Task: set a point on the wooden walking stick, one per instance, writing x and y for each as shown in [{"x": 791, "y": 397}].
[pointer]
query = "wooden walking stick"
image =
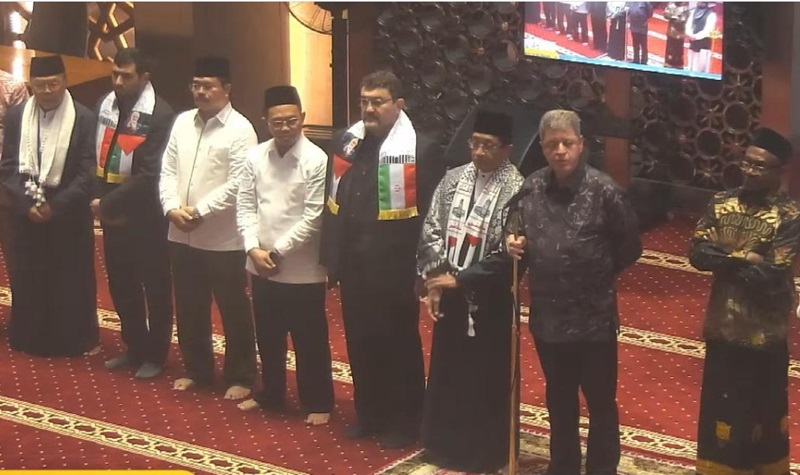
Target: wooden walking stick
[{"x": 514, "y": 354}]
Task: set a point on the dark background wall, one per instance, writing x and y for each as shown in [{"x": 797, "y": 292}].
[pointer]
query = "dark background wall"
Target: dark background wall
[{"x": 681, "y": 131}]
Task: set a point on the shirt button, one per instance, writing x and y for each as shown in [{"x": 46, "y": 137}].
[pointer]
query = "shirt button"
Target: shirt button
[{"x": 358, "y": 193}]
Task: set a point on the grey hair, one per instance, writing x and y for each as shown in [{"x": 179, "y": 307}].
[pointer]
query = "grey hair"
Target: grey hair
[{"x": 560, "y": 119}]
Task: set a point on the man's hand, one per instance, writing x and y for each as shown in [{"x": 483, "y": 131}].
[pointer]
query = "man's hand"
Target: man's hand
[
  {"x": 46, "y": 212},
  {"x": 441, "y": 281},
  {"x": 262, "y": 260},
  {"x": 432, "y": 303},
  {"x": 35, "y": 215},
  {"x": 182, "y": 220},
  {"x": 754, "y": 257},
  {"x": 516, "y": 246},
  {"x": 95, "y": 206}
]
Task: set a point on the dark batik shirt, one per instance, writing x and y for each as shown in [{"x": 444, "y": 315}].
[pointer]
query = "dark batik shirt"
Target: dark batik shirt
[
  {"x": 580, "y": 237},
  {"x": 749, "y": 303}
]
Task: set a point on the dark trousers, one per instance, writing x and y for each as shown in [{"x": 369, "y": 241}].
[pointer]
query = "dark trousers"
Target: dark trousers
[
  {"x": 639, "y": 47},
  {"x": 198, "y": 275},
  {"x": 579, "y": 21},
  {"x": 599, "y": 31},
  {"x": 137, "y": 263},
  {"x": 744, "y": 403},
  {"x": 299, "y": 310},
  {"x": 563, "y": 17},
  {"x": 590, "y": 367},
  {"x": 549, "y": 9},
  {"x": 386, "y": 358}
]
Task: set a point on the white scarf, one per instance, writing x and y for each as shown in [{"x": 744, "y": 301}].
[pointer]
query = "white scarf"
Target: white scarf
[
  {"x": 397, "y": 188},
  {"x": 470, "y": 228},
  {"x": 54, "y": 154},
  {"x": 133, "y": 131}
]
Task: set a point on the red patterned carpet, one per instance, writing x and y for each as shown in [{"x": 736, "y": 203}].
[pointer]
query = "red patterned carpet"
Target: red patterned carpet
[{"x": 72, "y": 413}]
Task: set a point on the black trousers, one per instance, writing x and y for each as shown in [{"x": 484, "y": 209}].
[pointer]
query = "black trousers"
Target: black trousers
[
  {"x": 198, "y": 276},
  {"x": 592, "y": 368},
  {"x": 599, "y": 31},
  {"x": 297, "y": 310},
  {"x": 563, "y": 17},
  {"x": 639, "y": 47},
  {"x": 579, "y": 21},
  {"x": 743, "y": 425},
  {"x": 549, "y": 9},
  {"x": 386, "y": 358},
  {"x": 137, "y": 263}
]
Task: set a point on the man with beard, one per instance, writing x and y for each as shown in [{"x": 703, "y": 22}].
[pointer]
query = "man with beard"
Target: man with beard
[
  {"x": 47, "y": 167},
  {"x": 381, "y": 177},
  {"x": 748, "y": 238},
  {"x": 132, "y": 128},
  {"x": 467, "y": 274}
]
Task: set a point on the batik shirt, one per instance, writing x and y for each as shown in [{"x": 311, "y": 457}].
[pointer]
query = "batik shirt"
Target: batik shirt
[{"x": 749, "y": 303}]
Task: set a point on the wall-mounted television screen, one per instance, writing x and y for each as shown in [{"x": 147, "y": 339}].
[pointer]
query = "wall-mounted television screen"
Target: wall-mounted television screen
[{"x": 683, "y": 38}]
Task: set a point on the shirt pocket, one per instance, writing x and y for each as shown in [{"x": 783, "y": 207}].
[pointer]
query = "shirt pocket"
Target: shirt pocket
[{"x": 218, "y": 156}]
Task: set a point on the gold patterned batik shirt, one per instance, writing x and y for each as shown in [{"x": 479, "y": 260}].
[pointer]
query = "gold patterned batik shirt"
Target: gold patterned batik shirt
[{"x": 749, "y": 303}]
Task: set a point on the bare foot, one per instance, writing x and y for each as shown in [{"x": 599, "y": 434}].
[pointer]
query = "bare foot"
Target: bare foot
[
  {"x": 318, "y": 418},
  {"x": 248, "y": 405},
  {"x": 93, "y": 351},
  {"x": 237, "y": 392},
  {"x": 183, "y": 384}
]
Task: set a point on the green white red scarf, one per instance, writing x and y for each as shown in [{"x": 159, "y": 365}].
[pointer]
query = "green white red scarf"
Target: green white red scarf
[
  {"x": 397, "y": 169},
  {"x": 119, "y": 158}
]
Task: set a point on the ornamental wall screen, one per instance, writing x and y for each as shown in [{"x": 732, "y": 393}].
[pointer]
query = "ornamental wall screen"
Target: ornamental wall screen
[{"x": 451, "y": 56}]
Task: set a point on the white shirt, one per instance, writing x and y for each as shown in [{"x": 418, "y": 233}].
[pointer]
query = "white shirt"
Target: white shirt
[
  {"x": 280, "y": 207},
  {"x": 201, "y": 167}
]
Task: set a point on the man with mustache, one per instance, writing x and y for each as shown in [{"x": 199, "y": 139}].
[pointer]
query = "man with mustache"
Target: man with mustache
[
  {"x": 200, "y": 175},
  {"x": 748, "y": 238},
  {"x": 381, "y": 177}
]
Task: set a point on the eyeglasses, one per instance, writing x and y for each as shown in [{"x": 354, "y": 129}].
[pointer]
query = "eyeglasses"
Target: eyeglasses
[
  {"x": 45, "y": 86},
  {"x": 552, "y": 145},
  {"x": 280, "y": 123},
  {"x": 375, "y": 102},
  {"x": 202, "y": 87},
  {"x": 758, "y": 167},
  {"x": 487, "y": 146}
]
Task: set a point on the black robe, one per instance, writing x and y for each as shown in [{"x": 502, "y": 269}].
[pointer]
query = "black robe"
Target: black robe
[
  {"x": 466, "y": 415},
  {"x": 54, "y": 310}
]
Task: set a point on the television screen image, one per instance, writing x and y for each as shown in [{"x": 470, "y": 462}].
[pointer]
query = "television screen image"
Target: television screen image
[{"x": 682, "y": 38}]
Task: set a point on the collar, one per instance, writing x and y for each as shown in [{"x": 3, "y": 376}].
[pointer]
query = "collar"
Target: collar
[
  {"x": 222, "y": 116},
  {"x": 572, "y": 183},
  {"x": 294, "y": 152}
]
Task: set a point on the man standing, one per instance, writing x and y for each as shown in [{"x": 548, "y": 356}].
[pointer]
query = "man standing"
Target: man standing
[
  {"x": 200, "y": 175},
  {"x": 381, "y": 177},
  {"x": 48, "y": 159},
  {"x": 748, "y": 238},
  {"x": 279, "y": 211},
  {"x": 467, "y": 273},
  {"x": 578, "y": 233},
  {"x": 12, "y": 92},
  {"x": 132, "y": 127}
]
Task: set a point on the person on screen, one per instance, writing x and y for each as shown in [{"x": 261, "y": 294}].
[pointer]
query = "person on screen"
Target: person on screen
[
  {"x": 580, "y": 25},
  {"x": 639, "y": 13},
  {"x": 562, "y": 18},
  {"x": 702, "y": 21},
  {"x": 597, "y": 13},
  {"x": 549, "y": 9},
  {"x": 677, "y": 13},
  {"x": 467, "y": 273},
  {"x": 574, "y": 253},
  {"x": 617, "y": 30},
  {"x": 748, "y": 238}
]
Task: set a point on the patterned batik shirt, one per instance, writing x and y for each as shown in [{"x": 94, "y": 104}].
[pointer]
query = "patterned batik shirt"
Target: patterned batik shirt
[
  {"x": 749, "y": 303},
  {"x": 12, "y": 92}
]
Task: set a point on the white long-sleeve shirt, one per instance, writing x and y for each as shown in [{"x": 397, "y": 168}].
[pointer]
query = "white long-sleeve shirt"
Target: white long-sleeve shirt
[
  {"x": 201, "y": 167},
  {"x": 280, "y": 206}
]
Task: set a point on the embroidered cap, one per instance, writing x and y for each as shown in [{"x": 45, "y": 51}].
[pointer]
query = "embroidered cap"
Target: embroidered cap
[{"x": 44, "y": 66}]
